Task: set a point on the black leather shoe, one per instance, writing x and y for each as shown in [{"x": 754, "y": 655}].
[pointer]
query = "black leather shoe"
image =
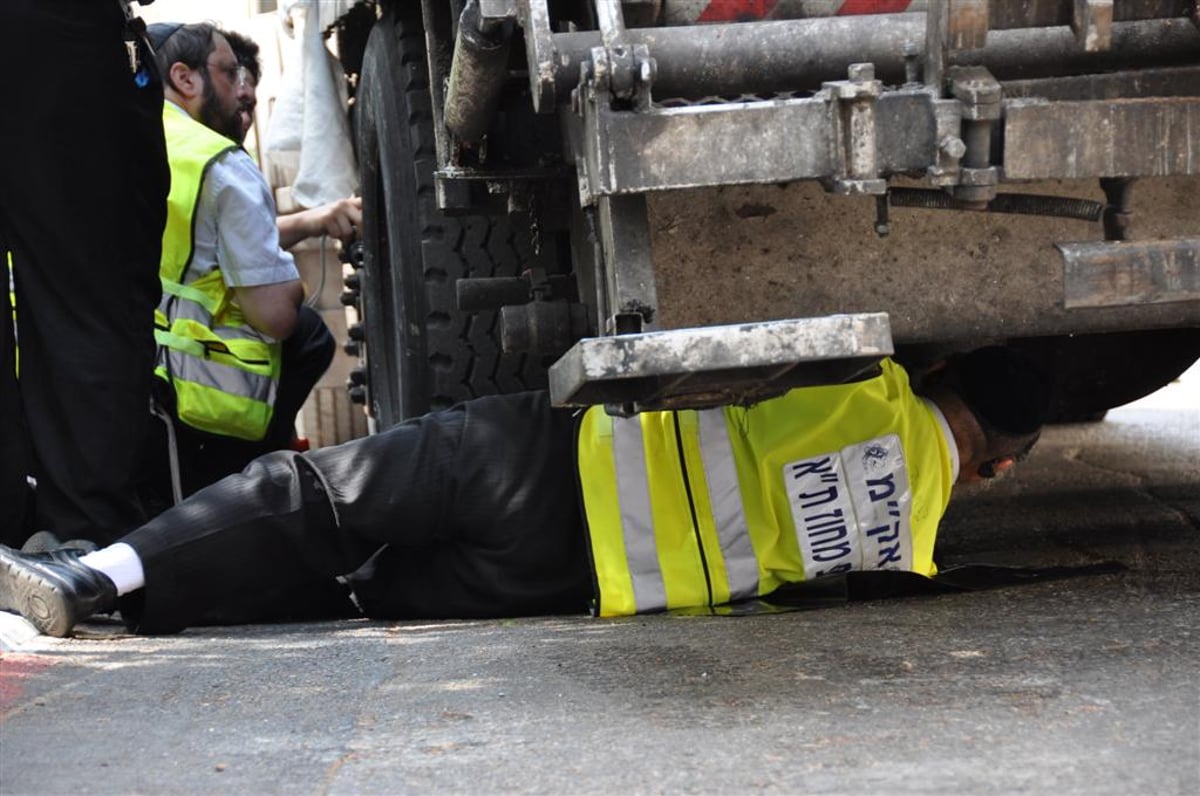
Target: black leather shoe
[
  {"x": 45, "y": 541},
  {"x": 53, "y": 590}
]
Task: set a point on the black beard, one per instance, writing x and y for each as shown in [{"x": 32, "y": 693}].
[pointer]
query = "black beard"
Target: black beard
[{"x": 210, "y": 115}]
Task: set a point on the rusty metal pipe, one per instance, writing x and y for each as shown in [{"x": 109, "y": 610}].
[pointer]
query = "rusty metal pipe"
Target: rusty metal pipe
[
  {"x": 477, "y": 75},
  {"x": 1001, "y": 13},
  {"x": 768, "y": 57}
]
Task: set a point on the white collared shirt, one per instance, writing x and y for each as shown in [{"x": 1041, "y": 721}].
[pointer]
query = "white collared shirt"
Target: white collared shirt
[
  {"x": 951, "y": 443},
  {"x": 235, "y": 226}
]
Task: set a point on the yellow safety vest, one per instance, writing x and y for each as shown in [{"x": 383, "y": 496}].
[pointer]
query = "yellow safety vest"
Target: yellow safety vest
[
  {"x": 700, "y": 508},
  {"x": 224, "y": 372}
]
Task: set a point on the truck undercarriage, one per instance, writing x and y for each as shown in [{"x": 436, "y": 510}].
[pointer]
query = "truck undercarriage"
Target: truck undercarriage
[{"x": 662, "y": 204}]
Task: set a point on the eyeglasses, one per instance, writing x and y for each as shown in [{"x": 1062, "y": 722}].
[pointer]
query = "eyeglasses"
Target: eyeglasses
[{"x": 231, "y": 71}]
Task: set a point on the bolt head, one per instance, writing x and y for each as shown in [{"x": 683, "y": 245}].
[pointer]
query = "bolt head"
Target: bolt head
[
  {"x": 953, "y": 147},
  {"x": 862, "y": 72},
  {"x": 646, "y": 71}
]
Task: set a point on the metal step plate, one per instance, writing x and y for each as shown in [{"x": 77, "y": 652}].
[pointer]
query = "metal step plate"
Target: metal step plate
[
  {"x": 1117, "y": 274},
  {"x": 717, "y": 365}
]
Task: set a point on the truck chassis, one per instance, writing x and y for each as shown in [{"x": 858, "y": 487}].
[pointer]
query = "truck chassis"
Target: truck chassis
[{"x": 648, "y": 216}]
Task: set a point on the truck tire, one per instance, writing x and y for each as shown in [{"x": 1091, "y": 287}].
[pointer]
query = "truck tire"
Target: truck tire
[{"x": 421, "y": 352}]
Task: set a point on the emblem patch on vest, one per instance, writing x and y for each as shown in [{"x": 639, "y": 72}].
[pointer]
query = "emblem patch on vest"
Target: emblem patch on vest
[{"x": 852, "y": 508}]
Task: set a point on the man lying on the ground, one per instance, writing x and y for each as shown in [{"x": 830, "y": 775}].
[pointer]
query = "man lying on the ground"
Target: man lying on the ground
[{"x": 505, "y": 506}]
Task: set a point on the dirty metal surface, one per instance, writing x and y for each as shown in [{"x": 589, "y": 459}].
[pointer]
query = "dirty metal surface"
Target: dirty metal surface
[
  {"x": 757, "y": 141},
  {"x": 732, "y": 59},
  {"x": 1183, "y": 81},
  {"x": 1155, "y": 137},
  {"x": 718, "y": 364},
  {"x": 731, "y": 255},
  {"x": 775, "y": 141},
  {"x": 1111, "y": 274},
  {"x": 997, "y": 14}
]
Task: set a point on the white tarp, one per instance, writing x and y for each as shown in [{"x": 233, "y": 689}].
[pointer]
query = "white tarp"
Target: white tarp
[{"x": 308, "y": 125}]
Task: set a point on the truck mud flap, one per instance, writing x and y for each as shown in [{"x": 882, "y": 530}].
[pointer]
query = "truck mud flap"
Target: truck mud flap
[{"x": 715, "y": 365}]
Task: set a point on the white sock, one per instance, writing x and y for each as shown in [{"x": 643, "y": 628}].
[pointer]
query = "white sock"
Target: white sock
[{"x": 120, "y": 563}]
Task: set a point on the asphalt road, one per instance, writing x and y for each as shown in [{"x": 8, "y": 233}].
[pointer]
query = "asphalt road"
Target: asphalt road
[{"x": 1086, "y": 685}]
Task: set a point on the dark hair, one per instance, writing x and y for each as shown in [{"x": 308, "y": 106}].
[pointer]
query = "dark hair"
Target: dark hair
[
  {"x": 1003, "y": 388},
  {"x": 187, "y": 44},
  {"x": 245, "y": 49}
]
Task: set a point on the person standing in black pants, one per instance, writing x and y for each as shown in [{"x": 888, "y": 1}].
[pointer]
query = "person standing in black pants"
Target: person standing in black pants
[{"x": 83, "y": 187}]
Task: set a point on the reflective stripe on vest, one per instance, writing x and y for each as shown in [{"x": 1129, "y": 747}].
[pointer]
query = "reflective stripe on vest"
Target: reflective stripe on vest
[
  {"x": 637, "y": 520},
  {"x": 732, "y": 568},
  {"x": 720, "y": 471},
  {"x": 697, "y": 508},
  {"x": 225, "y": 373}
]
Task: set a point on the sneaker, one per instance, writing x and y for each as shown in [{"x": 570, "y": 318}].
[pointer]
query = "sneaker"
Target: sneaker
[{"x": 53, "y": 590}]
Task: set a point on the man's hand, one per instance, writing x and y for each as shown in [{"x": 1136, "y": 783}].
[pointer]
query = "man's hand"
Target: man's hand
[{"x": 338, "y": 219}]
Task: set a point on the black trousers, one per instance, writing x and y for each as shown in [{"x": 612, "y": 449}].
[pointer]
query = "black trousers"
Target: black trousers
[
  {"x": 468, "y": 512},
  {"x": 207, "y": 458},
  {"x": 83, "y": 186}
]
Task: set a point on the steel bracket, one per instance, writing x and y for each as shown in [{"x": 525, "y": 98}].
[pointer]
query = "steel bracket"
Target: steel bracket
[
  {"x": 980, "y": 95},
  {"x": 718, "y": 365},
  {"x": 1122, "y": 273},
  {"x": 852, "y": 124}
]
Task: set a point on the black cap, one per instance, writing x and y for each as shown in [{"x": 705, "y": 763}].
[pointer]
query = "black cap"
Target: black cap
[
  {"x": 159, "y": 32},
  {"x": 1005, "y": 388}
]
